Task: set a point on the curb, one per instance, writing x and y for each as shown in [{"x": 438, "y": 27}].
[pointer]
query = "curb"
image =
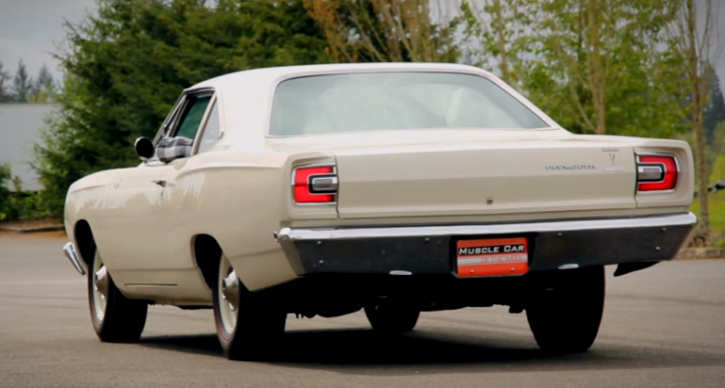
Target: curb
[
  {"x": 32, "y": 230},
  {"x": 701, "y": 254}
]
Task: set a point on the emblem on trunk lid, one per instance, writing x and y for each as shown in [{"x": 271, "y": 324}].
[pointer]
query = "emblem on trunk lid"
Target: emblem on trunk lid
[{"x": 613, "y": 167}]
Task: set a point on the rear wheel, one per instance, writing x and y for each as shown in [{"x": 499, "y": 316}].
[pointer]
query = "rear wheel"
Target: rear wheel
[
  {"x": 390, "y": 317},
  {"x": 565, "y": 310},
  {"x": 115, "y": 318},
  {"x": 249, "y": 325}
]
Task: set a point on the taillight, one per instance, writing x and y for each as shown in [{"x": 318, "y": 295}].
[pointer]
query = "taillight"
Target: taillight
[
  {"x": 656, "y": 173},
  {"x": 315, "y": 184}
]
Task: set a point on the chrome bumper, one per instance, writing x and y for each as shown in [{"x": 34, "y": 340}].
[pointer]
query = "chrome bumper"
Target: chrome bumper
[
  {"x": 429, "y": 249},
  {"x": 70, "y": 252}
]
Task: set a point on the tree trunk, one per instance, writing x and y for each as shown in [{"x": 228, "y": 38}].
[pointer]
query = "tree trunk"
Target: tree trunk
[
  {"x": 596, "y": 80},
  {"x": 702, "y": 173},
  {"x": 698, "y": 106},
  {"x": 501, "y": 40}
]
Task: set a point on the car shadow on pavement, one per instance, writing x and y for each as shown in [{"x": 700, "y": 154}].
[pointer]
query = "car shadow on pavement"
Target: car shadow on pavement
[
  {"x": 362, "y": 351},
  {"x": 196, "y": 344}
]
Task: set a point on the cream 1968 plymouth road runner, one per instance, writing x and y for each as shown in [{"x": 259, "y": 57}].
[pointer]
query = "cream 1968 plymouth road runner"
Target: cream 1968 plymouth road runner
[{"x": 392, "y": 188}]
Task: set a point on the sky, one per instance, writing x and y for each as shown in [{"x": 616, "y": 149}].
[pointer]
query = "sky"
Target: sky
[{"x": 31, "y": 29}]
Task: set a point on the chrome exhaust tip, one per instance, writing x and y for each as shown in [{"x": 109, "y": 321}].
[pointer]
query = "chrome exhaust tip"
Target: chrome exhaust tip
[{"x": 70, "y": 252}]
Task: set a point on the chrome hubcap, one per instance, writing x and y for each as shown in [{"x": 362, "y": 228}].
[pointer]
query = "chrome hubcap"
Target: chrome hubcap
[
  {"x": 100, "y": 287},
  {"x": 230, "y": 290},
  {"x": 229, "y": 295},
  {"x": 102, "y": 282}
]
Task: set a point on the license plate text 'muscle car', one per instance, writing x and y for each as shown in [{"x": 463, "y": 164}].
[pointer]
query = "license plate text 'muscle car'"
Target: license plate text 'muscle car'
[{"x": 492, "y": 257}]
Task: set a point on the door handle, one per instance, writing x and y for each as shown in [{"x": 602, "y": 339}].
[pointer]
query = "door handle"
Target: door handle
[{"x": 160, "y": 183}]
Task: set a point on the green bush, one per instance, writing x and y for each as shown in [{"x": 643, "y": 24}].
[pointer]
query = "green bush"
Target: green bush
[
  {"x": 716, "y": 202},
  {"x": 718, "y": 169},
  {"x": 19, "y": 205},
  {"x": 25, "y": 206},
  {"x": 4, "y": 192}
]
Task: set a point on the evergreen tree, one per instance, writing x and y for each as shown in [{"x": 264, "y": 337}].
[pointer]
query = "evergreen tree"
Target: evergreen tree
[
  {"x": 4, "y": 78},
  {"x": 22, "y": 83},
  {"x": 43, "y": 86},
  {"x": 126, "y": 66}
]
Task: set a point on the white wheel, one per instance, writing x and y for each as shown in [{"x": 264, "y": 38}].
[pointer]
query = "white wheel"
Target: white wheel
[
  {"x": 115, "y": 318},
  {"x": 99, "y": 294},
  {"x": 228, "y": 289}
]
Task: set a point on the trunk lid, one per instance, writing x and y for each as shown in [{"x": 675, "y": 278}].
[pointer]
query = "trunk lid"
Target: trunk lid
[{"x": 437, "y": 173}]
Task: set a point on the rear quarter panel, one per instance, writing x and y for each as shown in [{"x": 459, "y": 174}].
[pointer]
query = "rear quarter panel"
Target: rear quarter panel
[
  {"x": 681, "y": 198},
  {"x": 241, "y": 199}
]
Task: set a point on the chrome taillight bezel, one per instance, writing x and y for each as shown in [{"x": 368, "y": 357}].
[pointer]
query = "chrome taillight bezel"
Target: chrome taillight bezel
[
  {"x": 328, "y": 181},
  {"x": 663, "y": 175}
]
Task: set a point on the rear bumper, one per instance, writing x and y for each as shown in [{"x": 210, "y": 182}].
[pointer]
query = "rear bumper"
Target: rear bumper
[{"x": 429, "y": 250}]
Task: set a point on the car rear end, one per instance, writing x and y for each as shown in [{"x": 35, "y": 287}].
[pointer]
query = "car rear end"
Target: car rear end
[
  {"x": 491, "y": 208},
  {"x": 466, "y": 196},
  {"x": 533, "y": 235}
]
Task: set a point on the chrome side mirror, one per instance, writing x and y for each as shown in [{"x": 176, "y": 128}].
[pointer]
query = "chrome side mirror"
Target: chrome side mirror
[{"x": 144, "y": 148}]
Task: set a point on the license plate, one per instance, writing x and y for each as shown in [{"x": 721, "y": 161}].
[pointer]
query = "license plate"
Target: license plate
[{"x": 492, "y": 257}]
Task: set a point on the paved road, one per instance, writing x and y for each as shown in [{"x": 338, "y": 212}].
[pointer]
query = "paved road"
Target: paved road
[{"x": 663, "y": 327}]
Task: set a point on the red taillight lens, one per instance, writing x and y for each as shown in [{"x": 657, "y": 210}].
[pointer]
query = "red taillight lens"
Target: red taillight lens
[
  {"x": 656, "y": 173},
  {"x": 317, "y": 184}
]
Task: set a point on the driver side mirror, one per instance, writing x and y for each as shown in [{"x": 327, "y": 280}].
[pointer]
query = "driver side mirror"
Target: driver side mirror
[{"x": 144, "y": 148}]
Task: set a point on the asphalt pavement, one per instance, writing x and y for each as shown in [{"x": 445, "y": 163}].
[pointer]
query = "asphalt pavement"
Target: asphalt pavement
[{"x": 662, "y": 327}]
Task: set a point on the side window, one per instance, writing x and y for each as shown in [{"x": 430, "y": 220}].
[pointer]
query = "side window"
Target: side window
[
  {"x": 210, "y": 133},
  {"x": 169, "y": 120},
  {"x": 178, "y": 141},
  {"x": 191, "y": 119}
]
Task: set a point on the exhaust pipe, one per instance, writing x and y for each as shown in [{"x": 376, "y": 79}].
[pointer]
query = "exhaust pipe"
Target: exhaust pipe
[{"x": 70, "y": 252}]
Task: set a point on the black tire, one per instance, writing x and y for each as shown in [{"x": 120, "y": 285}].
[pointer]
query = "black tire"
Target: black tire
[
  {"x": 260, "y": 324},
  {"x": 565, "y": 311},
  {"x": 123, "y": 319},
  {"x": 391, "y": 318}
]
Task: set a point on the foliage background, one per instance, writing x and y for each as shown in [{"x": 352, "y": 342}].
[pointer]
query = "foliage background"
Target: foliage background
[
  {"x": 595, "y": 66},
  {"x": 126, "y": 66}
]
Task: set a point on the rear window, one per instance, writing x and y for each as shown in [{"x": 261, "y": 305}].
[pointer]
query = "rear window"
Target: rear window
[{"x": 396, "y": 100}]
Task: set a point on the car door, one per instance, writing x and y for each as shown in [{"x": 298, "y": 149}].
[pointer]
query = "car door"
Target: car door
[
  {"x": 143, "y": 219},
  {"x": 188, "y": 181},
  {"x": 129, "y": 208}
]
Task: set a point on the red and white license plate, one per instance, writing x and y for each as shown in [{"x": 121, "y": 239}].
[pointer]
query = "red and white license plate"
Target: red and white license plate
[{"x": 492, "y": 257}]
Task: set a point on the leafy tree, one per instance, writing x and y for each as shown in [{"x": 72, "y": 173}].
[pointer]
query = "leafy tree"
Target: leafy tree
[
  {"x": 127, "y": 65},
  {"x": 22, "y": 83},
  {"x": 387, "y": 30},
  {"x": 594, "y": 65},
  {"x": 499, "y": 32},
  {"x": 694, "y": 49}
]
